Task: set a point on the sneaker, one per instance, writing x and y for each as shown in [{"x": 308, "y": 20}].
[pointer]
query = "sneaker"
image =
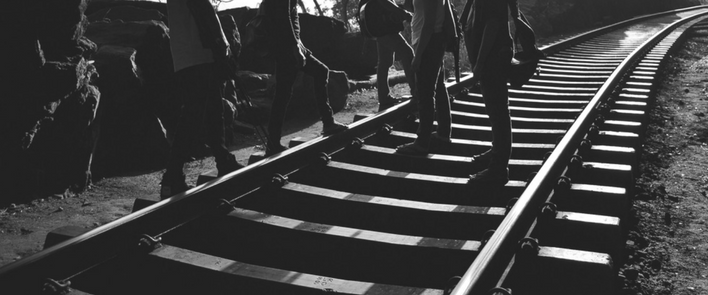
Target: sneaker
[
  {"x": 491, "y": 176},
  {"x": 412, "y": 149},
  {"x": 439, "y": 143},
  {"x": 332, "y": 128},
  {"x": 436, "y": 137},
  {"x": 169, "y": 190},
  {"x": 273, "y": 149},
  {"x": 482, "y": 159},
  {"x": 229, "y": 166}
]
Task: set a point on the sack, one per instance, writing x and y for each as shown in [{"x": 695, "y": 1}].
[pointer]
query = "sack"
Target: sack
[
  {"x": 375, "y": 21},
  {"x": 523, "y": 67},
  {"x": 261, "y": 39}
]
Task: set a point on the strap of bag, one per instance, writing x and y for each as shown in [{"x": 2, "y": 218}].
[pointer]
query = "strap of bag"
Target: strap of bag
[{"x": 465, "y": 14}]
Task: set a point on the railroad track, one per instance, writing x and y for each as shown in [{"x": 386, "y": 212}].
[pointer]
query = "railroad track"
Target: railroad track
[{"x": 346, "y": 214}]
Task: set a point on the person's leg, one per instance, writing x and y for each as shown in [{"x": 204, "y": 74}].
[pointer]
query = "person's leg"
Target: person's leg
[
  {"x": 442, "y": 107},
  {"x": 213, "y": 121},
  {"x": 404, "y": 54},
  {"x": 186, "y": 130},
  {"x": 320, "y": 75},
  {"x": 496, "y": 100},
  {"x": 384, "y": 63},
  {"x": 285, "y": 73},
  {"x": 426, "y": 79}
]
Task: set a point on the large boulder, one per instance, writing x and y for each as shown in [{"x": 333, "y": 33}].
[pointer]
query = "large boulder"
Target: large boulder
[
  {"x": 48, "y": 98},
  {"x": 127, "y": 13}
]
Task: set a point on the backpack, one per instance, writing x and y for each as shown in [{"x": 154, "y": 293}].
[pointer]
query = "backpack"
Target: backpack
[
  {"x": 375, "y": 21},
  {"x": 523, "y": 68},
  {"x": 524, "y": 65}
]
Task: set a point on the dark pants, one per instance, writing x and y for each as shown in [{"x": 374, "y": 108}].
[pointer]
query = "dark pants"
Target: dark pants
[
  {"x": 386, "y": 46},
  {"x": 431, "y": 92},
  {"x": 201, "y": 119},
  {"x": 495, "y": 92},
  {"x": 285, "y": 74}
]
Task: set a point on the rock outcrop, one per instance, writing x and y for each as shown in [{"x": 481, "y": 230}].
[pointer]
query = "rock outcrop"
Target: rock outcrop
[{"x": 48, "y": 98}]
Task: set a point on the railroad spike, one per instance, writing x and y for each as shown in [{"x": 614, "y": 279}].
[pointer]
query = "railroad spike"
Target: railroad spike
[
  {"x": 451, "y": 284},
  {"x": 279, "y": 180},
  {"x": 54, "y": 287},
  {"x": 148, "y": 243},
  {"x": 324, "y": 158},
  {"x": 357, "y": 143},
  {"x": 485, "y": 238},
  {"x": 500, "y": 291},
  {"x": 386, "y": 129}
]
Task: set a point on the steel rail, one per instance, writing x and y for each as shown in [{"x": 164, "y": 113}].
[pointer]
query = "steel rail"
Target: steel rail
[
  {"x": 125, "y": 234},
  {"x": 484, "y": 273}
]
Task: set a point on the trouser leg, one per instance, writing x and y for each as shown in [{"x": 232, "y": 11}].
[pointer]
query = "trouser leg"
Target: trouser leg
[
  {"x": 285, "y": 73},
  {"x": 320, "y": 75},
  {"x": 384, "y": 63},
  {"x": 442, "y": 106},
  {"x": 496, "y": 100},
  {"x": 426, "y": 81}
]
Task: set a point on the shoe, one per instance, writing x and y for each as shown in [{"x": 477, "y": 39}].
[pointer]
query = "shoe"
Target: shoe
[
  {"x": 439, "y": 143},
  {"x": 273, "y": 149},
  {"x": 435, "y": 136},
  {"x": 482, "y": 159},
  {"x": 491, "y": 176},
  {"x": 332, "y": 128},
  {"x": 411, "y": 149},
  {"x": 229, "y": 166},
  {"x": 169, "y": 190}
]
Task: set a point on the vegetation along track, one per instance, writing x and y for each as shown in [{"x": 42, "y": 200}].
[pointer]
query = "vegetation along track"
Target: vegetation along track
[{"x": 346, "y": 214}]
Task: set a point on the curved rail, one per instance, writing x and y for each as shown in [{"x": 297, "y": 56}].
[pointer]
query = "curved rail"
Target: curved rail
[
  {"x": 118, "y": 243},
  {"x": 477, "y": 279}
]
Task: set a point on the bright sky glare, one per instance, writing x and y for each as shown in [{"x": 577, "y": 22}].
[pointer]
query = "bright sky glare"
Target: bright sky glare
[{"x": 226, "y": 4}]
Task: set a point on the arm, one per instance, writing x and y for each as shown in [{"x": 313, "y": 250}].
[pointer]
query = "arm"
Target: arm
[{"x": 430, "y": 10}]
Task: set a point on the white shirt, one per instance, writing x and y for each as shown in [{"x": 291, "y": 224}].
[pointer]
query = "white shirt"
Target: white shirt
[
  {"x": 419, "y": 19},
  {"x": 185, "y": 42}
]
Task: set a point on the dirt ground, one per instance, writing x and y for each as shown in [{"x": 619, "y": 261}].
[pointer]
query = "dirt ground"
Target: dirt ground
[{"x": 667, "y": 246}]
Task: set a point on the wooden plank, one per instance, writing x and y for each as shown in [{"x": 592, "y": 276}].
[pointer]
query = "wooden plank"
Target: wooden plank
[
  {"x": 562, "y": 271},
  {"x": 353, "y": 233},
  {"x": 447, "y": 164},
  {"x": 406, "y": 185},
  {"x": 183, "y": 270}
]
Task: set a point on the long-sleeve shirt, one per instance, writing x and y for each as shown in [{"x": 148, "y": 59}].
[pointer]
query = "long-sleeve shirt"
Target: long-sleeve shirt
[{"x": 286, "y": 23}]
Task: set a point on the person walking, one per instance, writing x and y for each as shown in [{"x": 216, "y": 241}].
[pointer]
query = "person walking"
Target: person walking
[
  {"x": 201, "y": 59},
  {"x": 291, "y": 56}
]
